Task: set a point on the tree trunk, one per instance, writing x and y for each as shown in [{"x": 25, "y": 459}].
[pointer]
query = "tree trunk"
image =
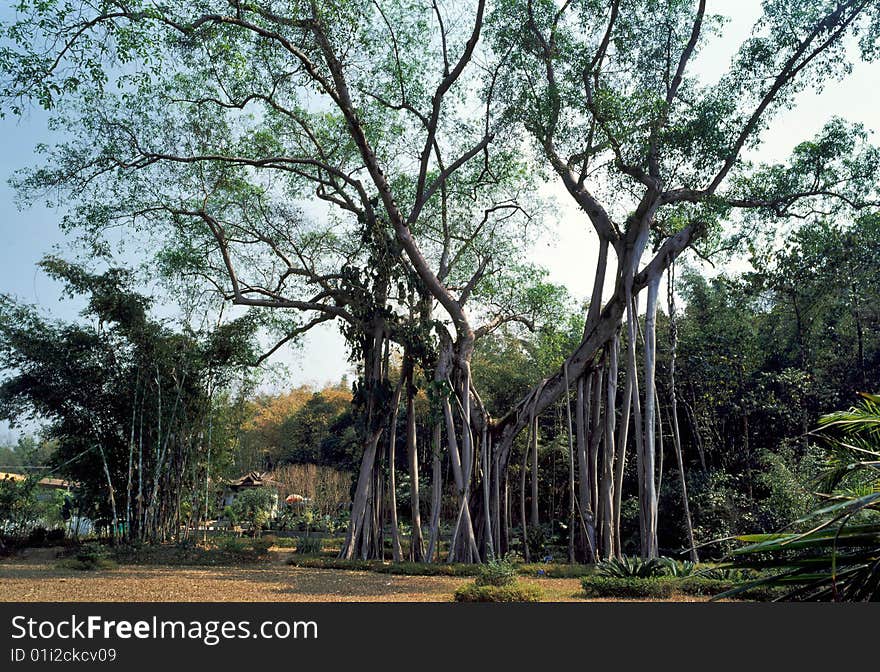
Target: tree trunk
[
  {"x": 583, "y": 405},
  {"x": 417, "y": 549},
  {"x": 608, "y": 486},
  {"x": 436, "y": 495},
  {"x": 396, "y": 552},
  {"x": 534, "y": 450},
  {"x": 673, "y": 403},
  {"x": 649, "y": 543}
]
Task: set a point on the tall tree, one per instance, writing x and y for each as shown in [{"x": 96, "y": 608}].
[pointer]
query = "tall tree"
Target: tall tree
[{"x": 653, "y": 155}]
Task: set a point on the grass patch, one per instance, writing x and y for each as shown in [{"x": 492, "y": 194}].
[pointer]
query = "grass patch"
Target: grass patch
[{"x": 512, "y": 592}]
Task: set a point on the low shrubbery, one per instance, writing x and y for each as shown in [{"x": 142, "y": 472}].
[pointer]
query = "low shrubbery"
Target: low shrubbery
[
  {"x": 220, "y": 551},
  {"x": 496, "y": 573},
  {"x": 627, "y": 587},
  {"x": 496, "y": 582},
  {"x": 513, "y": 592},
  {"x": 88, "y": 557},
  {"x": 307, "y": 544},
  {"x": 666, "y": 587},
  {"x": 629, "y": 567}
]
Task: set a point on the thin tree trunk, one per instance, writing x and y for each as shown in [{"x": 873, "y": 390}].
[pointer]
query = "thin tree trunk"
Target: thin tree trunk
[
  {"x": 632, "y": 372},
  {"x": 128, "y": 484},
  {"x": 595, "y": 435},
  {"x": 673, "y": 403},
  {"x": 534, "y": 509},
  {"x": 111, "y": 491},
  {"x": 608, "y": 487},
  {"x": 620, "y": 465},
  {"x": 461, "y": 488},
  {"x": 586, "y": 517},
  {"x": 487, "y": 498},
  {"x": 436, "y": 495},
  {"x": 583, "y": 404},
  {"x": 417, "y": 549},
  {"x": 522, "y": 494},
  {"x": 396, "y": 551},
  {"x": 649, "y": 547}
]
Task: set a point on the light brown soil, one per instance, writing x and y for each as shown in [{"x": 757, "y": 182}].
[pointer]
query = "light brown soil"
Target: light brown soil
[
  {"x": 33, "y": 582},
  {"x": 37, "y": 579}
]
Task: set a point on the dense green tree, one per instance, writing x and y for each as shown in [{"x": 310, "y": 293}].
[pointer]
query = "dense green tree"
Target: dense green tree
[{"x": 128, "y": 401}]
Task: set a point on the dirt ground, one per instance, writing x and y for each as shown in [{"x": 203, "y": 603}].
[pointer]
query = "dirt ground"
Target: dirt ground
[{"x": 35, "y": 578}]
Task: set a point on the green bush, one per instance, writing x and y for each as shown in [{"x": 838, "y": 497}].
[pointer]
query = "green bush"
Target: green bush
[
  {"x": 707, "y": 587},
  {"x": 260, "y": 547},
  {"x": 631, "y": 586},
  {"x": 496, "y": 573},
  {"x": 626, "y": 567},
  {"x": 307, "y": 544},
  {"x": 253, "y": 506},
  {"x": 88, "y": 558},
  {"x": 665, "y": 587},
  {"x": 678, "y": 568},
  {"x": 513, "y": 592},
  {"x": 555, "y": 570}
]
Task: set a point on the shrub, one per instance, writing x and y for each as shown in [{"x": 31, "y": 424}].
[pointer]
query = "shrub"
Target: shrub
[
  {"x": 236, "y": 549},
  {"x": 630, "y": 586},
  {"x": 664, "y": 587},
  {"x": 679, "y": 568},
  {"x": 514, "y": 557},
  {"x": 626, "y": 567},
  {"x": 253, "y": 506},
  {"x": 513, "y": 592},
  {"x": 88, "y": 558},
  {"x": 496, "y": 573},
  {"x": 307, "y": 544},
  {"x": 537, "y": 540}
]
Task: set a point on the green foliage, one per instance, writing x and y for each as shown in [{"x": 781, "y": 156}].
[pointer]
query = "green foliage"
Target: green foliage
[
  {"x": 836, "y": 559},
  {"x": 627, "y": 587},
  {"x": 254, "y": 507},
  {"x": 89, "y": 557},
  {"x": 496, "y": 573},
  {"x": 667, "y": 587},
  {"x": 512, "y": 592},
  {"x": 98, "y": 383},
  {"x": 631, "y": 567},
  {"x": 678, "y": 568},
  {"x": 237, "y": 549},
  {"x": 222, "y": 551},
  {"x": 19, "y": 509},
  {"x": 306, "y": 544}
]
